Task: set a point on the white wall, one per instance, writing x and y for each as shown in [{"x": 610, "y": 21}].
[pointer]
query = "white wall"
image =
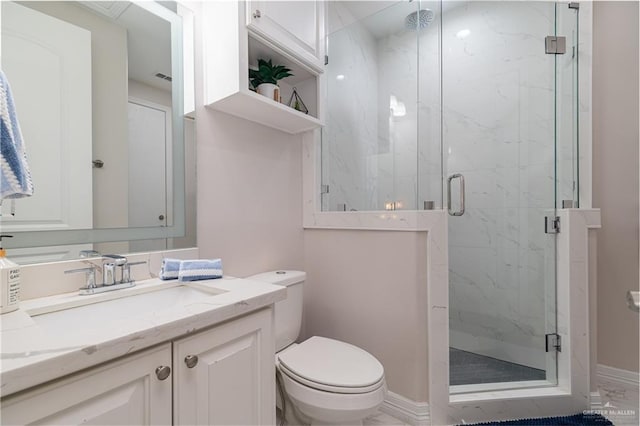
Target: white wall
[
  {"x": 249, "y": 194},
  {"x": 615, "y": 183},
  {"x": 369, "y": 288}
]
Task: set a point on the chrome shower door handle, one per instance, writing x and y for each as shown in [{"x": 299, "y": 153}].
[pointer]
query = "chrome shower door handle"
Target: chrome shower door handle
[{"x": 451, "y": 211}]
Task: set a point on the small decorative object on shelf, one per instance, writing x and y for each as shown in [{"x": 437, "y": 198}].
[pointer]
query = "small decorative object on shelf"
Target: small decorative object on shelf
[
  {"x": 295, "y": 102},
  {"x": 265, "y": 78}
]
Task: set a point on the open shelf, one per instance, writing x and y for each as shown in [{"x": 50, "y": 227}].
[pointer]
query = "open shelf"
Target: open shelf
[{"x": 260, "y": 109}]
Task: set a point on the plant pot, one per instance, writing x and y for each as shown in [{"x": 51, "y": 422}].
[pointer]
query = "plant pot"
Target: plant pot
[{"x": 271, "y": 91}]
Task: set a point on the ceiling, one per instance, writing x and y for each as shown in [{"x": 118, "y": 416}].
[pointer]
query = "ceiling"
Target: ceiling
[{"x": 148, "y": 39}]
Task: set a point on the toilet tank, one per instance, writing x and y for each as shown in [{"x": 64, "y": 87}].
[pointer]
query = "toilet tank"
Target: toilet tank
[{"x": 288, "y": 312}]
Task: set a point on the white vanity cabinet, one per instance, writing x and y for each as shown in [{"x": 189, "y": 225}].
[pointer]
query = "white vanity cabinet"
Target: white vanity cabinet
[
  {"x": 297, "y": 26},
  {"x": 232, "y": 381},
  {"x": 226, "y": 376},
  {"x": 127, "y": 391}
]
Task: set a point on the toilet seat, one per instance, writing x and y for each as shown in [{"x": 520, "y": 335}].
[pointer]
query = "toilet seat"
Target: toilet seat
[
  {"x": 326, "y": 388},
  {"x": 332, "y": 366}
]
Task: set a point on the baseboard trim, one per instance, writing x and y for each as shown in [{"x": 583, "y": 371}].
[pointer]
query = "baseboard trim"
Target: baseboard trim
[
  {"x": 411, "y": 412},
  {"x": 618, "y": 376}
]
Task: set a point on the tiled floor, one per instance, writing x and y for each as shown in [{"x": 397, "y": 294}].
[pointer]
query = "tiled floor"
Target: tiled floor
[
  {"x": 382, "y": 419},
  {"x": 621, "y": 404},
  {"x": 378, "y": 419},
  {"x": 467, "y": 368}
]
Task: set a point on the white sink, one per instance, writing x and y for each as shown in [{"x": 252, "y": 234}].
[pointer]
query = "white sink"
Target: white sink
[{"x": 120, "y": 305}]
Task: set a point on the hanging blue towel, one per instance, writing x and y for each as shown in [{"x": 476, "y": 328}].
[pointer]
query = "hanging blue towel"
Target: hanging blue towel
[
  {"x": 193, "y": 270},
  {"x": 169, "y": 269},
  {"x": 15, "y": 177}
]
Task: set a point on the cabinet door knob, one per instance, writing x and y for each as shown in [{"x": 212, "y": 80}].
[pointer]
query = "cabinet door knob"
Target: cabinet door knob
[
  {"x": 257, "y": 14},
  {"x": 163, "y": 372},
  {"x": 191, "y": 360},
  {"x": 161, "y": 217}
]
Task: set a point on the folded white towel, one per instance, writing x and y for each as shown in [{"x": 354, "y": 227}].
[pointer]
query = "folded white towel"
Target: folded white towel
[{"x": 15, "y": 176}]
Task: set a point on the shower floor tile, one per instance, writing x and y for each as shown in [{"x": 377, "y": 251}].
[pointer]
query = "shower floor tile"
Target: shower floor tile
[{"x": 466, "y": 368}]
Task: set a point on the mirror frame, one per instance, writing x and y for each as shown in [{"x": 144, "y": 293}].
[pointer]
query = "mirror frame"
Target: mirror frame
[{"x": 27, "y": 239}]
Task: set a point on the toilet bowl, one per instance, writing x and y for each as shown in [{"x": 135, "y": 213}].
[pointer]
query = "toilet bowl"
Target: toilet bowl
[
  {"x": 326, "y": 381},
  {"x": 331, "y": 382}
]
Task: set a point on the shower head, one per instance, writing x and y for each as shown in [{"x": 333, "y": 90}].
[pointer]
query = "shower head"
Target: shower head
[{"x": 419, "y": 19}]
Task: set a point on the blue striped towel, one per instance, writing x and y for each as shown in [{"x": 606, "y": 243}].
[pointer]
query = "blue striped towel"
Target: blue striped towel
[
  {"x": 15, "y": 176},
  {"x": 193, "y": 270},
  {"x": 169, "y": 269}
]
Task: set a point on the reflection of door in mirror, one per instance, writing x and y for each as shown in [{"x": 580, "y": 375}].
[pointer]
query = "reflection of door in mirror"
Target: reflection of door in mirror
[
  {"x": 149, "y": 160},
  {"x": 48, "y": 64}
]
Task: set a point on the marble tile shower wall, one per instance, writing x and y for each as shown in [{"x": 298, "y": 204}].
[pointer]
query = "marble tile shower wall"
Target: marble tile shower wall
[
  {"x": 350, "y": 136},
  {"x": 370, "y": 161},
  {"x": 499, "y": 132},
  {"x": 397, "y": 127},
  {"x": 409, "y": 158},
  {"x": 430, "y": 161}
]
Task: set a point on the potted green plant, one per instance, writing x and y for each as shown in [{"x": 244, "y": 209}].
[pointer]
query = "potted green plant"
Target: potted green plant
[{"x": 265, "y": 78}]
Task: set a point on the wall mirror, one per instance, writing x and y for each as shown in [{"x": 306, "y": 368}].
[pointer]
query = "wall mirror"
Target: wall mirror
[{"x": 100, "y": 92}]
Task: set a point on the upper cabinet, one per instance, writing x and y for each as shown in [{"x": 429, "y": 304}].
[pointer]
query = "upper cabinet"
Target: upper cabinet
[
  {"x": 297, "y": 26},
  {"x": 237, "y": 35}
]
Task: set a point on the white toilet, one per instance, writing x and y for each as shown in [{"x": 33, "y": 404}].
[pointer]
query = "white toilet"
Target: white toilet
[{"x": 327, "y": 381}]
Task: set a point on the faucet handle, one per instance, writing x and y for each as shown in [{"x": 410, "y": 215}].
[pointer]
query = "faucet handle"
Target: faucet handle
[
  {"x": 126, "y": 270},
  {"x": 91, "y": 275}
]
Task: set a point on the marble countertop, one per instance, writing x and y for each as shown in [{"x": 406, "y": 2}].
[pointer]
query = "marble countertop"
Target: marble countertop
[{"x": 31, "y": 354}]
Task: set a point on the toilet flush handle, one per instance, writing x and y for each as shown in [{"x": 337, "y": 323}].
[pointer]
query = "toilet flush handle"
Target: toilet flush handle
[{"x": 191, "y": 360}]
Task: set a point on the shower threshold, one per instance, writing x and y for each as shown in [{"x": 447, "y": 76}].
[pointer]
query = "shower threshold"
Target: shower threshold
[{"x": 501, "y": 386}]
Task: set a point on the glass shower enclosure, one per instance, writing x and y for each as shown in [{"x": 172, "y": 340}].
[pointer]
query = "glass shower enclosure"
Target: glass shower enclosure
[{"x": 471, "y": 107}]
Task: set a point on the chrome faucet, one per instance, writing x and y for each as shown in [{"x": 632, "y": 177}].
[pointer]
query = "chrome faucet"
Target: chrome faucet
[
  {"x": 116, "y": 274},
  {"x": 110, "y": 268}
]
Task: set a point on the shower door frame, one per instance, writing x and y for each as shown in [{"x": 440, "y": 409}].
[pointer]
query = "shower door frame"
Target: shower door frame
[
  {"x": 576, "y": 381},
  {"x": 575, "y": 390}
]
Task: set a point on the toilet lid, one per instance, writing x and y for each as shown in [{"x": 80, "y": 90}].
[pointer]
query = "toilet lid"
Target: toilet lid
[{"x": 332, "y": 363}]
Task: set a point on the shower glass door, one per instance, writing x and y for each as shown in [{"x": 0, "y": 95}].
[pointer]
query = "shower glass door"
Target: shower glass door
[{"x": 501, "y": 138}]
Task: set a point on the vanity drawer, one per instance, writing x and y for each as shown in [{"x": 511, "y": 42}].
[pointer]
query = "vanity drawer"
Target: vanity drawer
[{"x": 127, "y": 391}]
